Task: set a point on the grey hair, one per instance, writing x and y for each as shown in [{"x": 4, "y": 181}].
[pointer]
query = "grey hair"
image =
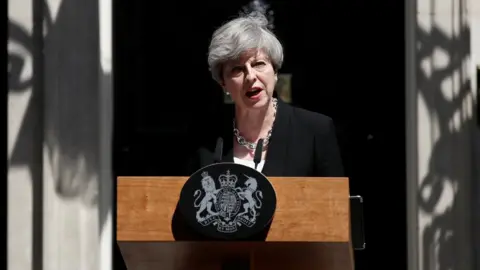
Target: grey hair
[{"x": 239, "y": 35}]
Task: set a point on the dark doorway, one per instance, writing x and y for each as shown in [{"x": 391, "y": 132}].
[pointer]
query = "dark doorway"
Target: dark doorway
[{"x": 346, "y": 59}]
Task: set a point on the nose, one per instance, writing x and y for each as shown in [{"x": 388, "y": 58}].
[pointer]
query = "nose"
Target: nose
[{"x": 250, "y": 75}]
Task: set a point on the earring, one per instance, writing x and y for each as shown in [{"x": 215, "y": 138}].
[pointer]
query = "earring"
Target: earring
[{"x": 226, "y": 93}]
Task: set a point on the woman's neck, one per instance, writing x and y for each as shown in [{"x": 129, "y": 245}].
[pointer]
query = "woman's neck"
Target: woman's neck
[{"x": 255, "y": 124}]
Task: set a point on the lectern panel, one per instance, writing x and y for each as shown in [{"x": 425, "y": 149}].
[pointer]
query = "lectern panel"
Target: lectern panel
[
  {"x": 308, "y": 209},
  {"x": 310, "y": 228},
  {"x": 262, "y": 256}
]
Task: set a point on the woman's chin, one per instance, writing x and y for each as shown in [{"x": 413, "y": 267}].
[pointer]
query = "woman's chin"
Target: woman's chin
[{"x": 256, "y": 103}]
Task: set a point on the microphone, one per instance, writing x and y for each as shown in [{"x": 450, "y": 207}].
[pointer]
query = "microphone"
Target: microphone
[
  {"x": 218, "y": 151},
  {"x": 258, "y": 153}
]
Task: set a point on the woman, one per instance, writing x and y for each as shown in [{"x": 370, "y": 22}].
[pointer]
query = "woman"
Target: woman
[{"x": 244, "y": 58}]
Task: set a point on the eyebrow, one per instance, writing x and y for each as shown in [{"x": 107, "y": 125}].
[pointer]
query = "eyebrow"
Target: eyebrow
[{"x": 241, "y": 63}]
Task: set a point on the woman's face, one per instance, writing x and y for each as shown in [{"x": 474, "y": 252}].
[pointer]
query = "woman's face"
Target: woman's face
[{"x": 250, "y": 80}]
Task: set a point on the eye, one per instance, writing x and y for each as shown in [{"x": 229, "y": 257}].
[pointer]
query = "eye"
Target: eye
[
  {"x": 260, "y": 65},
  {"x": 237, "y": 70}
]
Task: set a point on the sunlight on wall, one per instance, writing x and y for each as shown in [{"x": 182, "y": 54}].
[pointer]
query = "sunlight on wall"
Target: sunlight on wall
[
  {"x": 55, "y": 215},
  {"x": 19, "y": 228},
  {"x": 445, "y": 106}
]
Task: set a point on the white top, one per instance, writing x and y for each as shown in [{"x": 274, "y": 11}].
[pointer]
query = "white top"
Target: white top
[{"x": 249, "y": 163}]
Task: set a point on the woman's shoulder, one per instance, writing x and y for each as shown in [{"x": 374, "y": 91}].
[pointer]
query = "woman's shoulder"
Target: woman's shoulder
[{"x": 313, "y": 121}]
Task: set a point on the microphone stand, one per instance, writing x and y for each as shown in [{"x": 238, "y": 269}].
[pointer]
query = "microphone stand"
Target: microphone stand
[
  {"x": 217, "y": 158},
  {"x": 258, "y": 153}
]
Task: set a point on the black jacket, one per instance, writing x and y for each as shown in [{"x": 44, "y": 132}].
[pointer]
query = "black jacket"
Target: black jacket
[{"x": 303, "y": 143}]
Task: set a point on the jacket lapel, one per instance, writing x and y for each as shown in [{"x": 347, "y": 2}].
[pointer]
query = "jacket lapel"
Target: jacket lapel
[
  {"x": 276, "y": 160},
  {"x": 227, "y": 133}
]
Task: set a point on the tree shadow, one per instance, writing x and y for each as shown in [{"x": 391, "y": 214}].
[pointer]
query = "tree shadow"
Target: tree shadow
[
  {"x": 447, "y": 176},
  {"x": 62, "y": 118}
]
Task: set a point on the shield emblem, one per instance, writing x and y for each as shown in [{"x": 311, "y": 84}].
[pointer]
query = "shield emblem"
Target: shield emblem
[{"x": 228, "y": 201}]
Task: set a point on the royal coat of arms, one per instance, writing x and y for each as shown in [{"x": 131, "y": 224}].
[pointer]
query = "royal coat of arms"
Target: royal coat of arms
[{"x": 228, "y": 207}]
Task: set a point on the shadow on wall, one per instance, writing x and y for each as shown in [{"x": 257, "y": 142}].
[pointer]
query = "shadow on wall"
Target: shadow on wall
[
  {"x": 476, "y": 179},
  {"x": 444, "y": 193},
  {"x": 64, "y": 109},
  {"x": 27, "y": 151}
]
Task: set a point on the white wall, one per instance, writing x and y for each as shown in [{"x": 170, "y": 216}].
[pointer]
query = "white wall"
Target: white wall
[
  {"x": 21, "y": 136},
  {"x": 475, "y": 31},
  {"x": 59, "y": 140},
  {"x": 441, "y": 102}
]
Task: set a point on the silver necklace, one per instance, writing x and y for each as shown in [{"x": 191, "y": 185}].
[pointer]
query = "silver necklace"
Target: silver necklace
[{"x": 252, "y": 145}]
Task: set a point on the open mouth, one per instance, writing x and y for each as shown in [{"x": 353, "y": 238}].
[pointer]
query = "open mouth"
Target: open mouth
[{"x": 253, "y": 92}]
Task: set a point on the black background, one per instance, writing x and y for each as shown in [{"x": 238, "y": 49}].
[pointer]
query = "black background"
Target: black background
[{"x": 346, "y": 59}]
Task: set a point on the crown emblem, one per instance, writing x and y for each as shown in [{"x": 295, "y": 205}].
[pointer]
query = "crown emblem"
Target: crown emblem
[{"x": 228, "y": 180}]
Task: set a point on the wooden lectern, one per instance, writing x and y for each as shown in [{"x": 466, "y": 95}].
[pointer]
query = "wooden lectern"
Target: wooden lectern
[{"x": 310, "y": 228}]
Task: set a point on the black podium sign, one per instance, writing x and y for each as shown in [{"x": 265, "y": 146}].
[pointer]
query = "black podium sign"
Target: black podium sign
[{"x": 228, "y": 201}]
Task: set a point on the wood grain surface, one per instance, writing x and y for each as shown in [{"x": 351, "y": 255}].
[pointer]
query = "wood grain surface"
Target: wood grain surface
[{"x": 310, "y": 229}]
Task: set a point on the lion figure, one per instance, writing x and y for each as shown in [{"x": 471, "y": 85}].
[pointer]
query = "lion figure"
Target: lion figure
[{"x": 208, "y": 186}]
